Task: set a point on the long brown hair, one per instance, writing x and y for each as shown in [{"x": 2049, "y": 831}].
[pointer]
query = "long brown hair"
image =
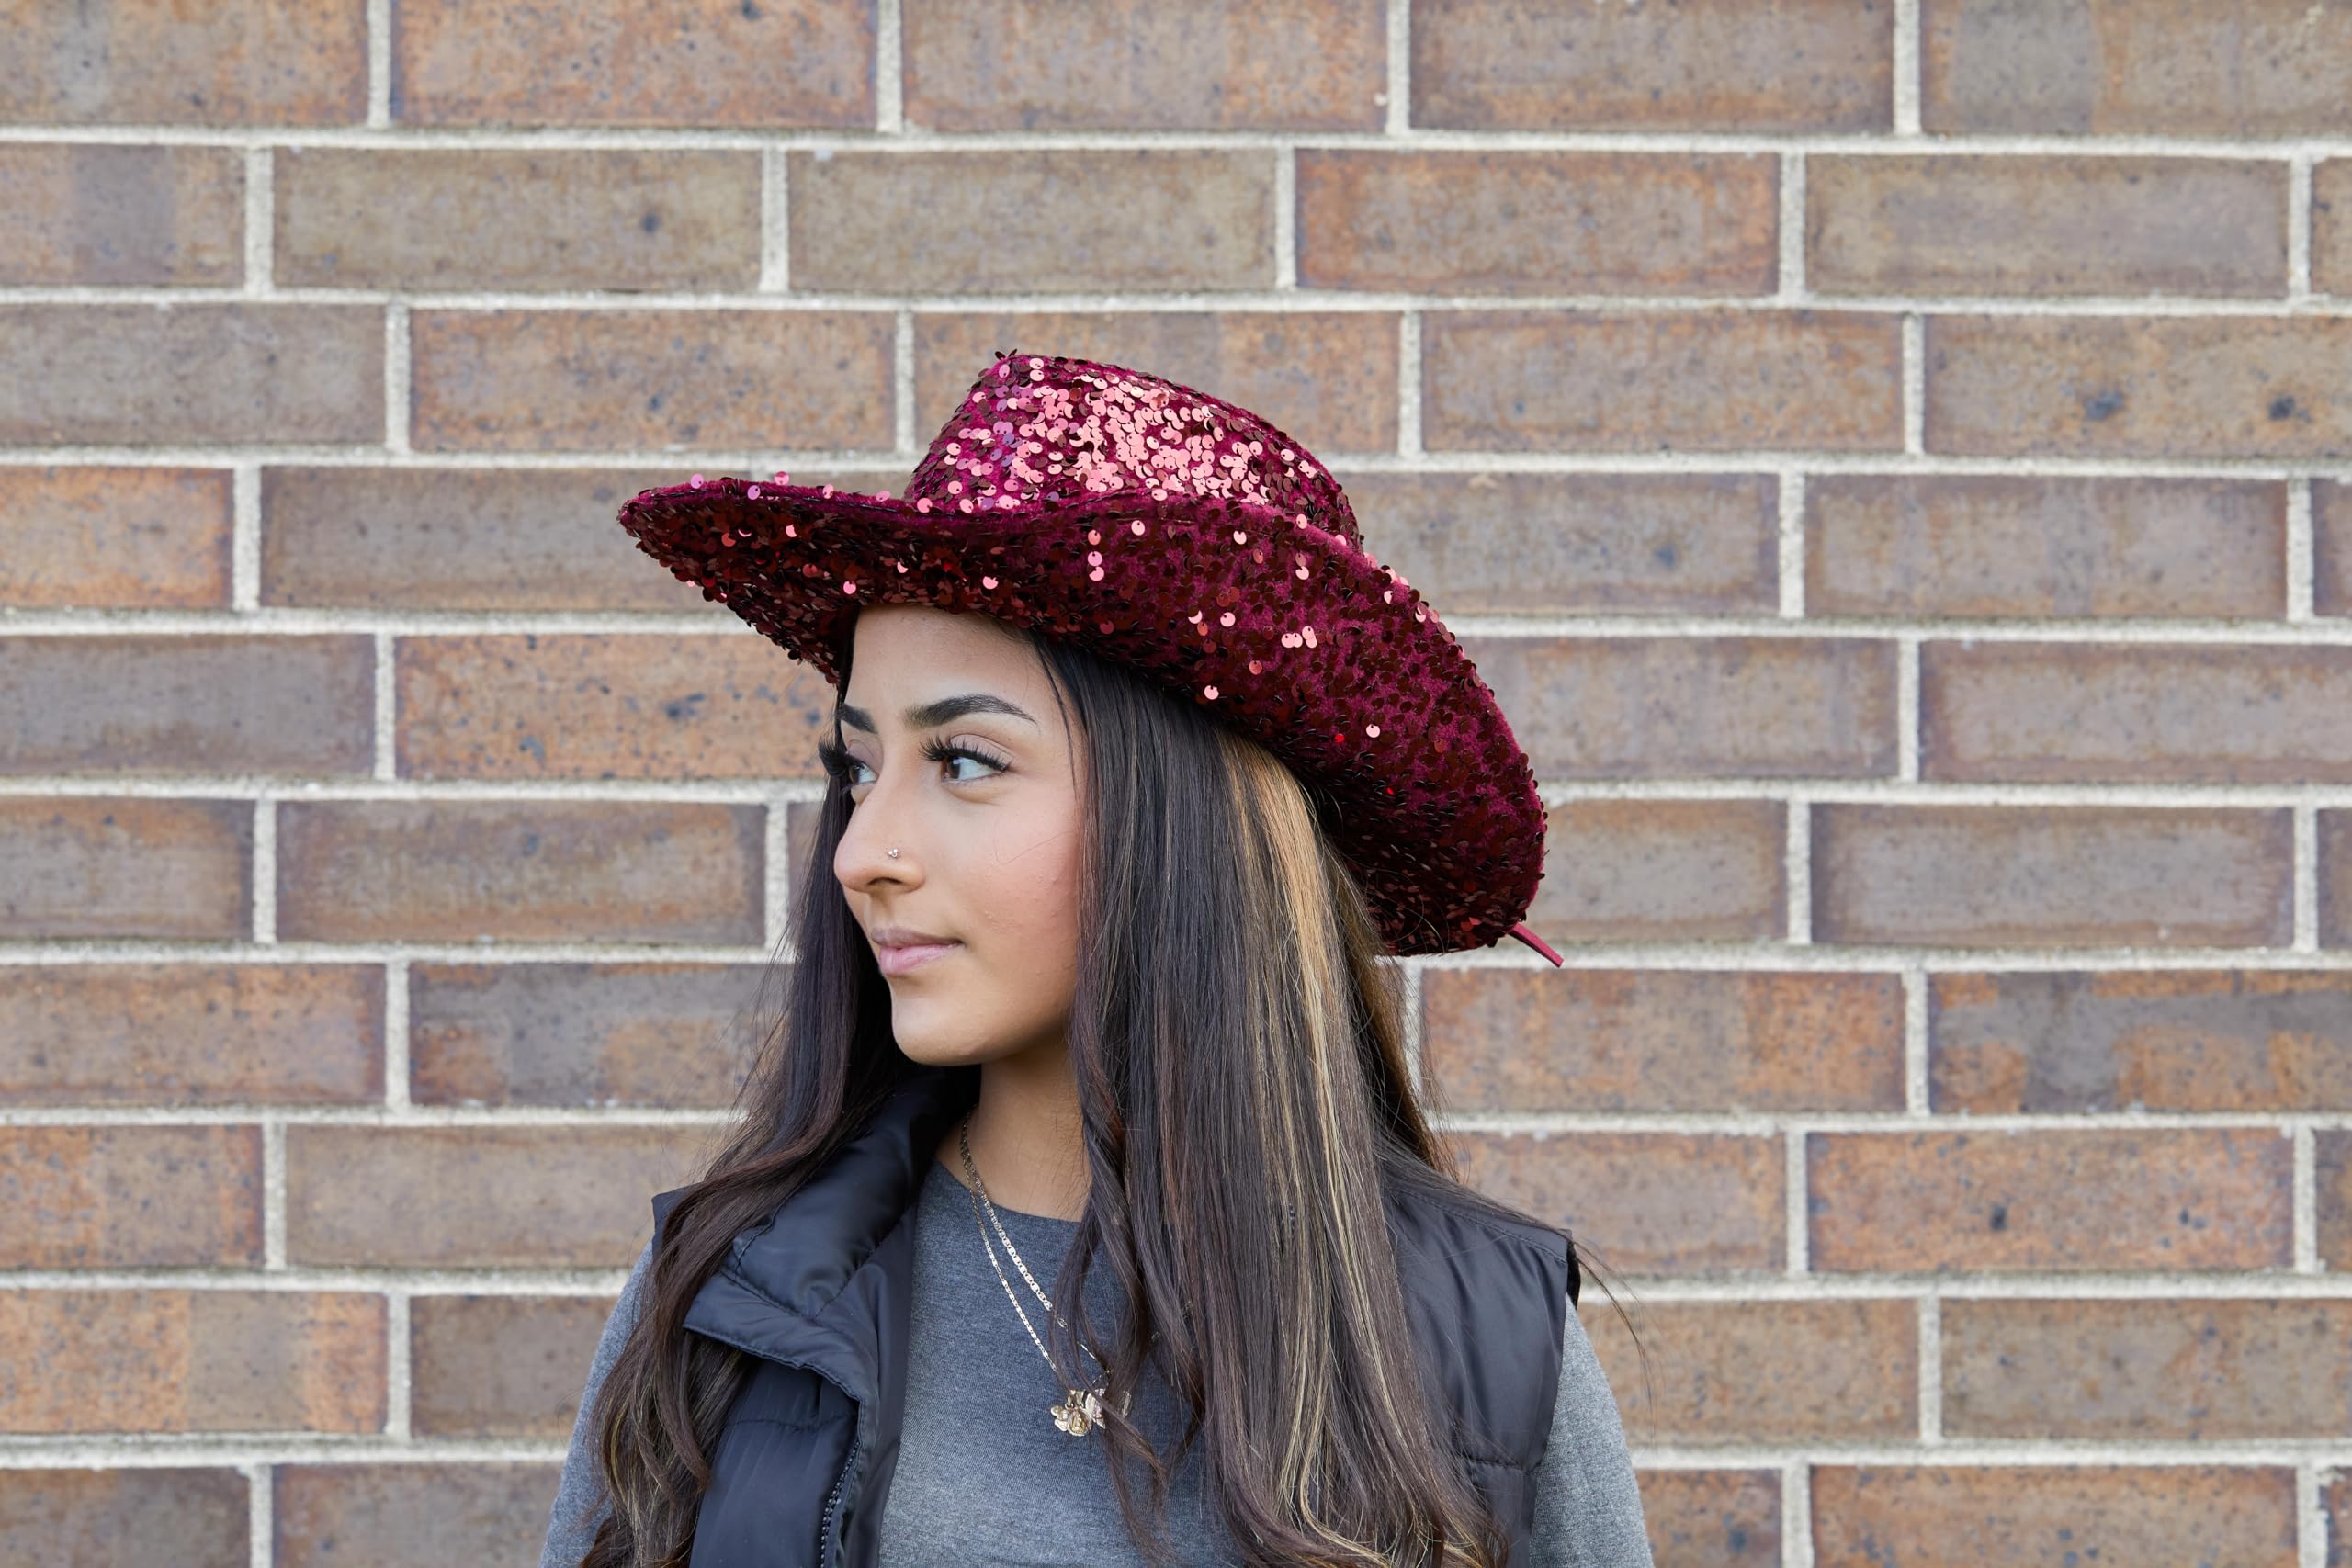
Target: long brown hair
[{"x": 1236, "y": 1011}]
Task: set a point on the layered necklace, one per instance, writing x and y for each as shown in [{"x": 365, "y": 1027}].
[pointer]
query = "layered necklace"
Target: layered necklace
[{"x": 1081, "y": 1409}]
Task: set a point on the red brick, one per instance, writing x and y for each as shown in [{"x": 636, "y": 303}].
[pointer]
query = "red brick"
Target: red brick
[
  {"x": 2044, "y": 544},
  {"x": 187, "y": 1034},
  {"x": 1946, "y": 1516},
  {"x": 1487, "y": 544},
  {"x": 2161, "y": 387},
  {"x": 2043, "y": 226},
  {"x": 1988, "y": 1201},
  {"x": 1644, "y": 1203},
  {"x": 130, "y": 1197},
  {"x": 2045, "y": 876},
  {"x": 597, "y": 380},
  {"x": 1655, "y": 380},
  {"x": 2189, "y": 713},
  {"x": 543, "y": 217},
  {"x": 1130, "y": 66},
  {"x": 1711, "y": 1518},
  {"x": 165, "y": 375},
  {"x": 2145, "y": 1369},
  {"x": 1597, "y": 1040},
  {"x": 2030, "y": 1042},
  {"x": 519, "y": 871},
  {"x": 116, "y": 538},
  {"x": 1327, "y": 377},
  {"x": 165, "y": 1360},
  {"x": 167, "y": 704},
  {"x": 2254, "y": 68},
  {"x": 1732, "y": 706},
  {"x": 192, "y": 1518},
  {"x": 159, "y": 61},
  {"x": 500, "y": 1366},
  {"x": 1534, "y": 223},
  {"x": 96, "y": 214},
  {"x": 1762, "y": 1371},
  {"x": 481, "y": 1197},
  {"x": 410, "y": 1515},
  {"x": 527, "y": 706},
  {"x": 95, "y": 867},
  {"x": 1663, "y": 870},
  {"x": 1211, "y": 219},
  {"x": 1699, "y": 65},
  {"x": 2332, "y": 228},
  {"x": 778, "y": 63},
  {"x": 581, "y": 1034}
]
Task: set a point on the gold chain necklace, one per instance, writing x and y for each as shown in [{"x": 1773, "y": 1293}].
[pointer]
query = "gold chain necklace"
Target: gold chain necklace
[{"x": 1081, "y": 1410}]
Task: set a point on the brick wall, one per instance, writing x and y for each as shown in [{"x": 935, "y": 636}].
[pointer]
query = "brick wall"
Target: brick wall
[{"x": 1890, "y": 457}]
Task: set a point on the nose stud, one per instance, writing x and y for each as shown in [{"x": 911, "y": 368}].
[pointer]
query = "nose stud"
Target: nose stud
[{"x": 894, "y": 855}]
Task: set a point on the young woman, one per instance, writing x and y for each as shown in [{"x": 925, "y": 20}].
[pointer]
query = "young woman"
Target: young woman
[{"x": 1083, "y": 1210}]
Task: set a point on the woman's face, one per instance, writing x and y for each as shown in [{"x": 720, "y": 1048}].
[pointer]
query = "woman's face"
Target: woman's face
[{"x": 988, "y": 842}]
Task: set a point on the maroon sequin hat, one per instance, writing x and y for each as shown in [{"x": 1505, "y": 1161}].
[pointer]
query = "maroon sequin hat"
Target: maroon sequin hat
[{"x": 1193, "y": 542}]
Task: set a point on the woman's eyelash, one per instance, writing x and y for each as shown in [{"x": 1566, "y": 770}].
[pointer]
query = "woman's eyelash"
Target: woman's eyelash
[{"x": 838, "y": 763}]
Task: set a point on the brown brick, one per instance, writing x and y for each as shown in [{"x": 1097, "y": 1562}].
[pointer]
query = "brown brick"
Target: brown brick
[
  {"x": 1700, "y": 65},
  {"x": 2190, "y": 713},
  {"x": 185, "y": 1034},
  {"x": 778, "y": 63},
  {"x": 170, "y": 703},
  {"x": 170, "y": 1361},
  {"x": 2036, "y": 545},
  {"x": 2162, "y": 387},
  {"x": 1644, "y": 1203},
  {"x": 1762, "y": 1371},
  {"x": 1327, "y": 377},
  {"x": 500, "y": 1366},
  {"x": 1713, "y": 1518},
  {"x": 595, "y": 380},
  {"x": 2332, "y": 1151},
  {"x": 150, "y": 375},
  {"x": 521, "y": 871},
  {"x": 95, "y": 867},
  {"x": 1534, "y": 223},
  {"x": 542, "y": 217},
  {"x": 600, "y": 1034},
  {"x": 2332, "y": 227},
  {"x": 2041, "y": 225},
  {"x": 2335, "y": 878},
  {"x": 130, "y": 1197},
  {"x": 2031, "y": 1041},
  {"x": 2332, "y": 545},
  {"x": 481, "y": 1197},
  {"x": 1663, "y": 870},
  {"x": 1658, "y": 1039},
  {"x": 2151, "y": 1369},
  {"x": 1210, "y": 220},
  {"x": 1693, "y": 380},
  {"x": 1131, "y": 65},
  {"x": 461, "y": 539},
  {"x": 488, "y": 1512},
  {"x": 116, "y": 538},
  {"x": 190, "y": 1517},
  {"x": 1732, "y": 706},
  {"x": 1947, "y": 1516},
  {"x": 94, "y": 214},
  {"x": 2336, "y": 1516},
  {"x": 527, "y": 705},
  {"x": 1983, "y": 1201},
  {"x": 2050, "y": 876},
  {"x": 160, "y": 62},
  {"x": 1610, "y": 544},
  {"x": 2126, "y": 67}
]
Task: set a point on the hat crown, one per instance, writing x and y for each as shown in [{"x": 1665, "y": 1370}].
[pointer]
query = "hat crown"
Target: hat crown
[{"x": 1038, "y": 430}]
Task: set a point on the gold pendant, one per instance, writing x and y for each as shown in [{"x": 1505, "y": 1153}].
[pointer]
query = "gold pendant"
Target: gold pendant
[{"x": 1078, "y": 1414}]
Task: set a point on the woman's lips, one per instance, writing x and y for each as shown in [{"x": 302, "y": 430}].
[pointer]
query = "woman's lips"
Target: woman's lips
[{"x": 900, "y": 960}]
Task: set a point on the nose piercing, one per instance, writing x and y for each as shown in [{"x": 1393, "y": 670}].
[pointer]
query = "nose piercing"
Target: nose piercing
[{"x": 894, "y": 855}]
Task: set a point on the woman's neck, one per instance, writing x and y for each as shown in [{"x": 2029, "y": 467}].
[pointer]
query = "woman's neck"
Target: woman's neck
[{"x": 1026, "y": 1138}]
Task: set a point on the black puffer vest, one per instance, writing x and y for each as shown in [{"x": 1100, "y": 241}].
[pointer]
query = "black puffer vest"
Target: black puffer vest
[{"x": 821, "y": 1294}]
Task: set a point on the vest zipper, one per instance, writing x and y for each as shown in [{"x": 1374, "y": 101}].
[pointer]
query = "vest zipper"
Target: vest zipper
[{"x": 857, "y": 1425}]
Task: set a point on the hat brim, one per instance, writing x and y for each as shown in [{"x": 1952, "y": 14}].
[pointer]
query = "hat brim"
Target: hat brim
[{"x": 1286, "y": 633}]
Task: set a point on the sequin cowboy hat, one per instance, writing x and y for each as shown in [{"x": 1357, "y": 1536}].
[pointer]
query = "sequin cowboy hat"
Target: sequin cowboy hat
[{"x": 1198, "y": 545}]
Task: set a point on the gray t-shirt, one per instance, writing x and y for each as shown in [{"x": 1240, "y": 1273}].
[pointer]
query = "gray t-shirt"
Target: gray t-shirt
[{"x": 985, "y": 1477}]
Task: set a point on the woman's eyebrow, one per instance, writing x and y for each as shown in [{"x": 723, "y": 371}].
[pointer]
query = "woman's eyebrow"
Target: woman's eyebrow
[{"x": 927, "y": 715}]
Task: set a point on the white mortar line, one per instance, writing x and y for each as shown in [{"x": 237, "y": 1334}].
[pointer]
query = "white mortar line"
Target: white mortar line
[
  {"x": 1286, "y": 216},
  {"x": 903, "y": 434},
  {"x": 396, "y": 1038},
  {"x": 380, "y": 64},
  {"x": 386, "y": 717},
  {"x": 775, "y": 914},
  {"x": 1791, "y": 501},
  {"x": 1917, "y": 1088},
  {"x": 1915, "y": 384},
  {"x": 1408, "y": 389},
  {"x": 2306, "y": 891},
  {"x": 245, "y": 536},
  {"x": 265, "y": 871},
  {"x": 2302, "y": 560},
  {"x": 397, "y": 1375},
  {"x": 396, "y": 378},
  {"x": 1907, "y": 708},
  {"x": 1792, "y": 289},
  {"x": 1796, "y": 870},
  {"x": 776, "y": 235},
  {"x": 889, "y": 70},
  {"x": 272, "y": 1182},
  {"x": 2310, "y": 1520},
  {"x": 261, "y": 1522},
  {"x": 2302, "y": 1129},
  {"x": 1908, "y": 85},
  {"x": 1398, "y": 98},
  {"x": 1931, "y": 1369},
  {"x": 261, "y": 223},
  {"x": 2300, "y": 166}
]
